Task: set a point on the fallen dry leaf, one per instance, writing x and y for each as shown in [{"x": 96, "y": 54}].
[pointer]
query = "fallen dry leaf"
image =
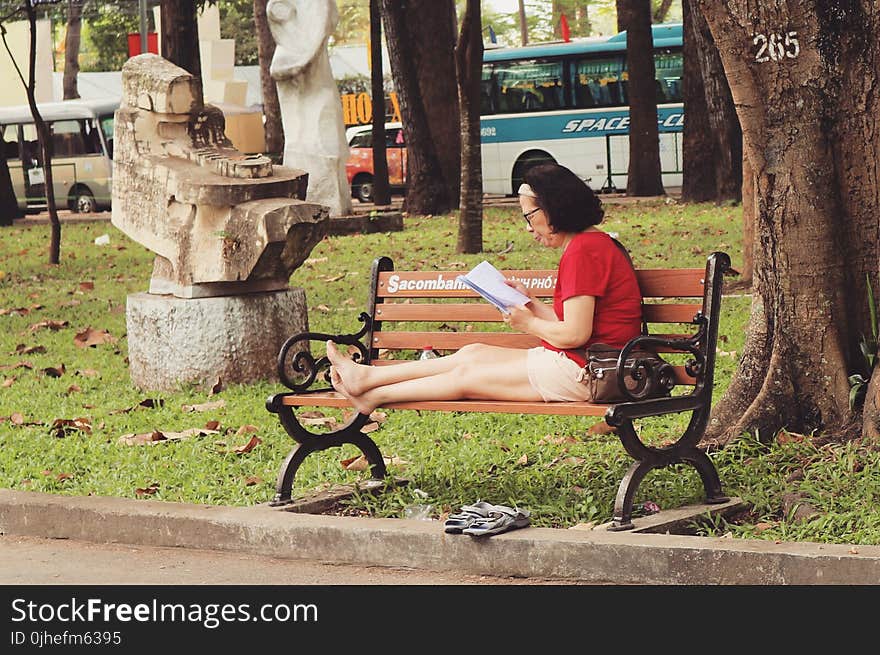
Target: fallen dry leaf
[
  {"x": 63, "y": 476},
  {"x": 54, "y": 371},
  {"x": 22, "y": 349},
  {"x": 329, "y": 421},
  {"x": 149, "y": 490},
  {"x": 16, "y": 418},
  {"x": 204, "y": 407},
  {"x": 369, "y": 427},
  {"x": 186, "y": 434},
  {"x": 86, "y": 286},
  {"x": 523, "y": 461},
  {"x": 360, "y": 462},
  {"x": 140, "y": 439},
  {"x": 90, "y": 337},
  {"x": 21, "y": 364},
  {"x": 246, "y": 429},
  {"x": 51, "y": 325},
  {"x": 249, "y": 446},
  {"x": 62, "y": 426},
  {"x": 73, "y": 388},
  {"x": 602, "y": 428},
  {"x": 251, "y": 480},
  {"x": 7, "y": 382},
  {"x": 212, "y": 425},
  {"x": 87, "y": 373}
]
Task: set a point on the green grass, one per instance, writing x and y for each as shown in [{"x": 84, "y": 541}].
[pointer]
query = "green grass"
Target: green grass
[{"x": 548, "y": 464}]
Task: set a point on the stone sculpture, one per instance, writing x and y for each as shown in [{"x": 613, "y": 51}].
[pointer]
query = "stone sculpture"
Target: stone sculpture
[
  {"x": 228, "y": 230},
  {"x": 311, "y": 108}
]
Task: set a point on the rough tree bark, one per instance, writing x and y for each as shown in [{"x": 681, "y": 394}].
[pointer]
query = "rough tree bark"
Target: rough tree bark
[
  {"x": 427, "y": 191},
  {"x": 8, "y": 204},
  {"x": 643, "y": 174},
  {"x": 271, "y": 109},
  {"x": 71, "y": 48},
  {"x": 804, "y": 79},
  {"x": 698, "y": 145},
  {"x": 381, "y": 188},
  {"x": 180, "y": 35},
  {"x": 469, "y": 60},
  {"x": 662, "y": 10}
]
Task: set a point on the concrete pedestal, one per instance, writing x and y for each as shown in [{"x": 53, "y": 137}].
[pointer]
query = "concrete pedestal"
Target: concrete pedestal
[{"x": 177, "y": 341}]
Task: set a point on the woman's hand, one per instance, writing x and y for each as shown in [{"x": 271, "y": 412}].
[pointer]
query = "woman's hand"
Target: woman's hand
[
  {"x": 519, "y": 286},
  {"x": 519, "y": 318}
]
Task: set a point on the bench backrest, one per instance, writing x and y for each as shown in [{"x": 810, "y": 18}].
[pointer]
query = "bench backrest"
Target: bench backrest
[{"x": 413, "y": 309}]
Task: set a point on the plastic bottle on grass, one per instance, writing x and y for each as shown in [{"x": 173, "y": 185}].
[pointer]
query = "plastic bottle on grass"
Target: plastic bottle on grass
[{"x": 428, "y": 352}]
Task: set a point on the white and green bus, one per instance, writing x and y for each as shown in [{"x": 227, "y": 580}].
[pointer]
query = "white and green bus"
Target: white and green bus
[
  {"x": 81, "y": 133},
  {"x": 567, "y": 103}
]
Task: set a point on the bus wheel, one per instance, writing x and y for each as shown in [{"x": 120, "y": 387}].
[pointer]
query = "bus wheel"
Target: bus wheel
[
  {"x": 84, "y": 202},
  {"x": 524, "y": 163},
  {"x": 362, "y": 188}
]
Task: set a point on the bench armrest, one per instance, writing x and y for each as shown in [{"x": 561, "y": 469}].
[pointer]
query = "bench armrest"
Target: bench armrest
[{"x": 295, "y": 358}]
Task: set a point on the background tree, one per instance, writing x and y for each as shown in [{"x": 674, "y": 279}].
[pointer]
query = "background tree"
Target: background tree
[
  {"x": 643, "y": 173},
  {"x": 71, "y": 48},
  {"x": 108, "y": 24},
  {"x": 271, "y": 107},
  {"x": 180, "y": 35},
  {"x": 804, "y": 79},
  {"x": 468, "y": 64},
  {"x": 429, "y": 115},
  {"x": 381, "y": 188},
  {"x": 237, "y": 21},
  {"x": 42, "y": 129}
]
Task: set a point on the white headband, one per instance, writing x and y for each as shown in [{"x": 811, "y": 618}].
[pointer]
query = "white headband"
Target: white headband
[{"x": 526, "y": 190}]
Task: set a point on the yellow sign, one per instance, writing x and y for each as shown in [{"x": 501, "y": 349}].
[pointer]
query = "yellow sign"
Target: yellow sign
[{"x": 357, "y": 108}]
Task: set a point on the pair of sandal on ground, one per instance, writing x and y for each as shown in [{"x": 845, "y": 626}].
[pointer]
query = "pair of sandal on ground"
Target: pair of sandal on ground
[{"x": 483, "y": 519}]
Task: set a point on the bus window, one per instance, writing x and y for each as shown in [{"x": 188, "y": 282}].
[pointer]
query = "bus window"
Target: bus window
[
  {"x": 529, "y": 86},
  {"x": 107, "y": 129},
  {"x": 10, "y": 142},
  {"x": 668, "y": 67},
  {"x": 488, "y": 92},
  {"x": 598, "y": 83}
]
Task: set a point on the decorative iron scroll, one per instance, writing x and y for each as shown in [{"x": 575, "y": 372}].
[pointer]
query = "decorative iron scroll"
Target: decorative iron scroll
[
  {"x": 305, "y": 365},
  {"x": 661, "y": 376}
]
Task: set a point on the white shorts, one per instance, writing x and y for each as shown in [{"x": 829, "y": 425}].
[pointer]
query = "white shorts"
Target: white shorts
[{"x": 554, "y": 376}]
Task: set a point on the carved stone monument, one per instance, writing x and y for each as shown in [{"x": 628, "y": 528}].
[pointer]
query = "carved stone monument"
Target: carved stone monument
[
  {"x": 311, "y": 108},
  {"x": 227, "y": 229}
]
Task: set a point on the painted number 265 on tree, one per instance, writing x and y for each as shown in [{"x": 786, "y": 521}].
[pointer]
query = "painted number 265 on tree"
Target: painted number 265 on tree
[{"x": 776, "y": 47}]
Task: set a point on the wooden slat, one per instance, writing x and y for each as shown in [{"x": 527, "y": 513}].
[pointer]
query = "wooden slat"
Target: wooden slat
[
  {"x": 654, "y": 283},
  {"x": 481, "y": 312},
  {"x": 451, "y": 340},
  {"x": 332, "y": 399},
  {"x": 672, "y": 313},
  {"x": 485, "y": 313}
]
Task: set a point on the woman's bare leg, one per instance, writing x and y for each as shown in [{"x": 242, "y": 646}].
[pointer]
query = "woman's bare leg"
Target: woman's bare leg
[
  {"x": 478, "y": 372},
  {"x": 359, "y": 379}
]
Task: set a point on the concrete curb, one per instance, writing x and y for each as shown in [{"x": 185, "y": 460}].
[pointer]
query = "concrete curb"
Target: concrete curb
[{"x": 595, "y": 556}]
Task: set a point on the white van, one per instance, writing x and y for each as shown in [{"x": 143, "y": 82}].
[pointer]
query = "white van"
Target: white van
[{"x": 81, "y": 133}]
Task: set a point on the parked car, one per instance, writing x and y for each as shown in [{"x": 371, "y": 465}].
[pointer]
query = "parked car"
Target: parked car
[{"x": 359, "y": 167}]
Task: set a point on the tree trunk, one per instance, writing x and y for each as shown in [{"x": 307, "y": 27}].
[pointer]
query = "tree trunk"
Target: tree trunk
[
  {"x": 427, "y": 192},
  {"x": 713, "y": 139},
  {"x": 698, "y": 145},
  {"x": 8, "y": 204},
  {"x": 180, "y": 35},
  {"x": 469, "y": 61},
  {"x": 71, "y": 48},
  {"x": 523, "y": 27},
  {"x": 805, "y": 87},
  {"x": 662, "y": 10},
  {"x": 433, "y": 22},
  {"x": 271, "y": 108},
  {"x": 381, "y": 189},
  {"x": 643, "y": 173},
  {"x": 749, "y": 211},
  {"x": 43, "y": 139}
]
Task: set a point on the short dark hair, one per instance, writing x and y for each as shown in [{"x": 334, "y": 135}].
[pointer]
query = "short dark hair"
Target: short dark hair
[{"x": 569, "y": 202}]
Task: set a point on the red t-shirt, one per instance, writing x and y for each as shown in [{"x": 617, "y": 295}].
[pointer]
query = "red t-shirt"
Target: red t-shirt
[{"x": 593, "y": 265}]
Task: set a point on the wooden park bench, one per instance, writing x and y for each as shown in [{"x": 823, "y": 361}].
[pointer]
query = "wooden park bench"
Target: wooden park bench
[{"x": 399, "y": 299}]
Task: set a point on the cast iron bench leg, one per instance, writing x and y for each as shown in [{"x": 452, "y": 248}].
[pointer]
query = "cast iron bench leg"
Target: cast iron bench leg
[{"x": 309, "y": 442}]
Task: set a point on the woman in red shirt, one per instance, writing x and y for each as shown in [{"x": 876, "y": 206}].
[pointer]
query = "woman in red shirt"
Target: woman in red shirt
[{"x": 596, "y": 300}]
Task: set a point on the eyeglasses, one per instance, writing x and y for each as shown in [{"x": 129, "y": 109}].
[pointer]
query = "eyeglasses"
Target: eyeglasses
[{"x": 528, "y": 215}]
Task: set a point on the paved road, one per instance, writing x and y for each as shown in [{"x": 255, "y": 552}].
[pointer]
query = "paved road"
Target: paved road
[{"x": 35, "y": 561}]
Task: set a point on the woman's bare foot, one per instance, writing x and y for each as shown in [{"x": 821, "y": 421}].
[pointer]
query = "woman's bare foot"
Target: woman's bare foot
[
  {"x": 345, "y": 371},
  {"x": 356, "y": 401}
]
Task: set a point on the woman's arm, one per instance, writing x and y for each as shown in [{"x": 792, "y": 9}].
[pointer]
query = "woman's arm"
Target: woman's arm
[{"x": 573, "y": 332}]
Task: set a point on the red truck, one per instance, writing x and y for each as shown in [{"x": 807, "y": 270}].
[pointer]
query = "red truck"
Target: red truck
[{"x": 359, "y": 167}]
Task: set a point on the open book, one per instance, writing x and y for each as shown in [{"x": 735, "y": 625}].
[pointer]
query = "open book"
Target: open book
[{"x": 488, "y": 281}]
